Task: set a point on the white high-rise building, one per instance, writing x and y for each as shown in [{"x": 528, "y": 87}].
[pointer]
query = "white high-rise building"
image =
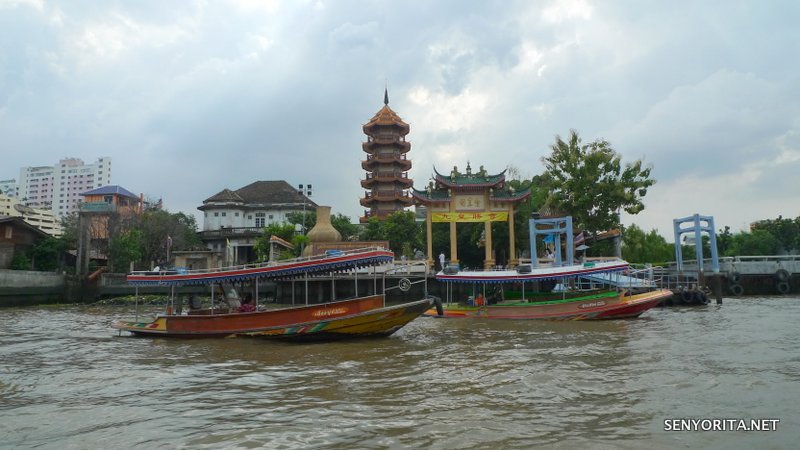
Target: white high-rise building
[
  {"x": 58, "y": 187},
  {"x": 8, "y": 187}
]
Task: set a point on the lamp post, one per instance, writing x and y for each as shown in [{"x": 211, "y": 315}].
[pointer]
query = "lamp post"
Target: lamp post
[{"x": 305, "y": 191}]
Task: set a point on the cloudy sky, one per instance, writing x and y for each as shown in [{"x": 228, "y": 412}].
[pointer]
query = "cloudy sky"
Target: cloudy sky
[{"x": 190, "y": 97}]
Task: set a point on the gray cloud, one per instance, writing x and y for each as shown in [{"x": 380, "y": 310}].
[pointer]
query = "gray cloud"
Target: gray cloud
[{"x": 189, "y": 98}]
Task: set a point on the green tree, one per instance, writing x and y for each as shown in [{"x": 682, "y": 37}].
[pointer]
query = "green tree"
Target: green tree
[
  {"x": 589, "y": 182},
  {"x": 339, "y": 221},
  {"x": 724, "y": 239},
  {"x": 307, "y": 220},
  {"x": 47, "y": 253},
  {"x": 756, "y": 243},
  {"x": 124, "y": 249},
  {"x": 399, "y": 228},
  {"x": 162, "y": 232},
  {"x": 284, "y": 231},
  {"x": 349, "y": 231},
  {"x": 785, "y": 231},
  {"x": 20, "y": 261},
  {"x": 69, "y": 230},
  {"x": 641, "y": 247}
]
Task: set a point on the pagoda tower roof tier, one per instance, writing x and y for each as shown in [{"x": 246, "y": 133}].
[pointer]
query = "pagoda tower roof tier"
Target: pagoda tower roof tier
[
  {"x": 396, "y": 178},
  {"x": 386, "y": 117},
  {"x": 378, "y": 141},
  {"x": 377, "y": 160}
]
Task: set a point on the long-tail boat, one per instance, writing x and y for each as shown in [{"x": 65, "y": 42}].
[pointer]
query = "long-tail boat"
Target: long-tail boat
[
  {"x": 588, "y": 291},
  {"x": 368, "y": 316}
]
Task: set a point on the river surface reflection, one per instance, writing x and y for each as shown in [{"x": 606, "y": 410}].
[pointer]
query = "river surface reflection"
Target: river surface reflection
[{"x": 68, "y": 381}]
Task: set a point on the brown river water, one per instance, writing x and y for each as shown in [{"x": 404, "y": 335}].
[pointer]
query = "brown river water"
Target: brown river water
[{"x": 67, "y": 380}]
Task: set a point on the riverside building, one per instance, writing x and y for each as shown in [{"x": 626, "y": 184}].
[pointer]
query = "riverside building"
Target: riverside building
[
  {"x": 58, "y": 188},
  {"x": 232, "y": 220},
  {"x": 42, "y": 219}
]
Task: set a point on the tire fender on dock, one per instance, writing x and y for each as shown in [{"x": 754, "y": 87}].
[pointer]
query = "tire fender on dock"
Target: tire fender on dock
[
  {"x": 782, "y": 275},
  {"x": 736, "y": 289},
  {"x": 735, "y": 277},
  {"x": 783, "y": 287}
]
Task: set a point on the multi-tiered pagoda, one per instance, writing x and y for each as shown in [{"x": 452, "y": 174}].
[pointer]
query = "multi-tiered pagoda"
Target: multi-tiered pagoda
[{"x": 386, "y": 164}]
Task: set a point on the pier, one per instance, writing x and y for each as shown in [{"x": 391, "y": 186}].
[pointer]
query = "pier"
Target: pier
[{"x": 738, "y": 275}]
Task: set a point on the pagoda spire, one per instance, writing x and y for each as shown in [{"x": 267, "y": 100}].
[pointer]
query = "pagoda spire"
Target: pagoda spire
[{"x": 386, "y": 95}]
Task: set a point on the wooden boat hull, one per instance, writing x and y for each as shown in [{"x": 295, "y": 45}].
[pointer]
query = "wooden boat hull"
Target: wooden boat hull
[
  {"x": 376, "y": 323},
  {"x": 359, "y": 317},
  {"x": 597, "y": 307}
]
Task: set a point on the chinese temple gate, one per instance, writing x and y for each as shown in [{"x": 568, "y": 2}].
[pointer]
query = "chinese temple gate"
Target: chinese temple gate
[
  {"x": 470, "y": 197},
  {"x": 386, "y": 164}
]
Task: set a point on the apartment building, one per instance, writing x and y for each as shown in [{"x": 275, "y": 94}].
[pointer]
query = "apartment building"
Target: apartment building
[{"x": 58, "y": 187}]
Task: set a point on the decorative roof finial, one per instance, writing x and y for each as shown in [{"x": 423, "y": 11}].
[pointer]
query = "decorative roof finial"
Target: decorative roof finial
[{"x": 386, "y": 96}]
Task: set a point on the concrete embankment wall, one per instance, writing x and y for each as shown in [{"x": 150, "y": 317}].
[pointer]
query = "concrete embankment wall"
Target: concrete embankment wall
[{"x": 26, "y": 287}]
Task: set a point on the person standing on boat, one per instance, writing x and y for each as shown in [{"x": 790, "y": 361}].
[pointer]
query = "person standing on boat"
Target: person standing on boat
[{"x": 441, "y": 260}]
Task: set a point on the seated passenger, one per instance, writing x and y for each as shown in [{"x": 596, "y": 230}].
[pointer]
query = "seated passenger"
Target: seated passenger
[{"x": 248, "y": 304}]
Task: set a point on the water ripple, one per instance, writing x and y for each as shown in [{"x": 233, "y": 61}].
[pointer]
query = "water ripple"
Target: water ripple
[{"x": 68, "y": 381}]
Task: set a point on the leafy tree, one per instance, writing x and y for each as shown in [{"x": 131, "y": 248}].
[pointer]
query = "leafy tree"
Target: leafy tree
[
  {"x": 284, "y": 231},
  {"x": 641, "y": 247},
  {"x": 124, "y": 249},
  {"x": 373, "y": 230},
  {"x": 69, "y": 230},
  {"x": 759, "y": 242},
  {"x": 300, "y": 242},
  {"x": 339, "y": 221},
  {"x": 162, "y": 231},
  {"x": 20, "y": 261},
  {"x": 785, "y": 231},
  {"x": 47, "y": 253},
  {"x": 399, "y": 228},
  {"x": 342, "y": 224},
  {"x": 297, "y": 218},
  {"x": 589, "y": 182},
  {"x": 724, "y": 239}
]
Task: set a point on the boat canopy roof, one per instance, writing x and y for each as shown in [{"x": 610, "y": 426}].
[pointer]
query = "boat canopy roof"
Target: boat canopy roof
[
  {"x": 535, "y": 274},
  {"x": 332, "y": 261}
]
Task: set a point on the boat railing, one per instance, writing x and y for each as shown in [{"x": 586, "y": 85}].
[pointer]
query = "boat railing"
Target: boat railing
[
  {"x": 301, "y": 259},
  {"x": 406, "y": 275},
  {"x": 635, "y": 277}
]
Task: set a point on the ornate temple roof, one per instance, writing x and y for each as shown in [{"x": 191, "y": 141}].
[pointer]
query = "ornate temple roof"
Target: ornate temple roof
[
  {"x": 440, "y": 190},
  {"x": 443, "y": 196},
  {"x": 481, "y": 178}
]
